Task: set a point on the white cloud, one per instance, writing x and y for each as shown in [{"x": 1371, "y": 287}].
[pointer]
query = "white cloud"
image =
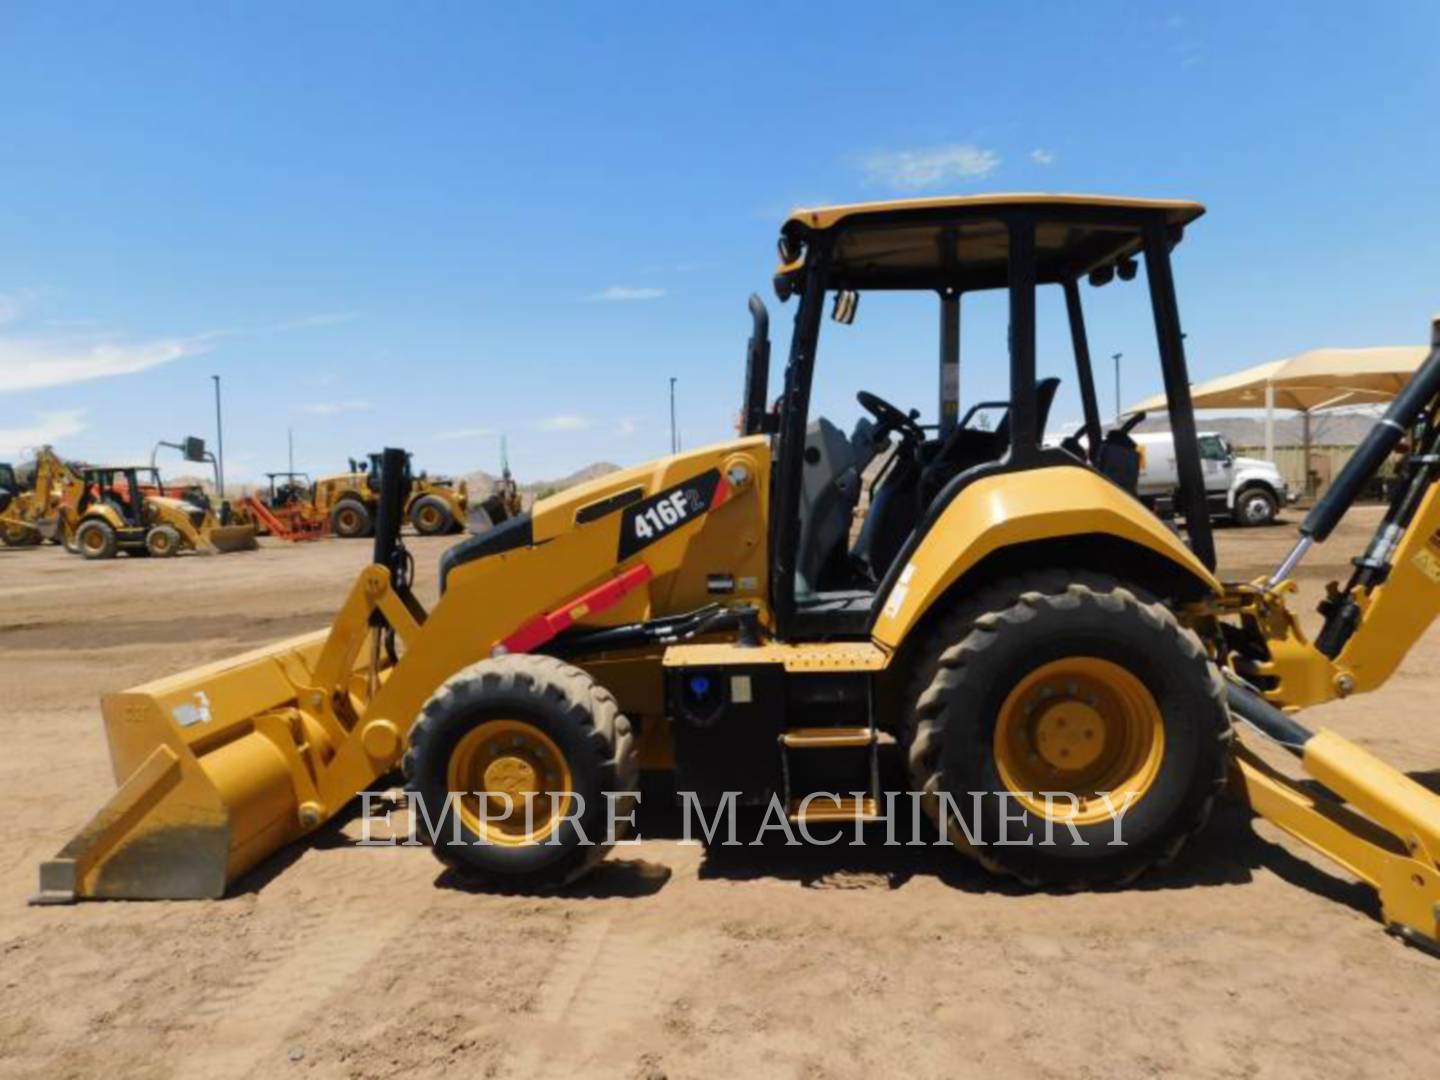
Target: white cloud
[
  {"x": 33, "y": 363},
  {"x": 626, "y": 292},
  {"x": 626, "y": 426},
  {"x": 13, "y": 304},
  {"x": 913, "y": 170},
  {"x": 1041, "y": 156},
  {"x": 564, "y": 423},
  {"x": 49, "y": 427},
  {"x": 334, "y": 408},
  {"x": 465, "y": 433}
]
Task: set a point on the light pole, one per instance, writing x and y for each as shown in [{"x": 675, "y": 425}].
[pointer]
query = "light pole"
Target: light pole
[
  {"x": 1116, "y": 358},
  {"x": 219, "y": 443},
  {"x": 290, "y": 436},
  {"x": 674, "y": 437}
]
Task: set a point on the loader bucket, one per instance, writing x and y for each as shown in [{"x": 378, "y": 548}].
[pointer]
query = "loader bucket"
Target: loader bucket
[
  {"x": 227, "y": 538},
  {"x": 215, "y": 770}
]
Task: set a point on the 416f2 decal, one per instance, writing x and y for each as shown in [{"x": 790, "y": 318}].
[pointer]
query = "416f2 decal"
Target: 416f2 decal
[{"x": 654, "y": 518}]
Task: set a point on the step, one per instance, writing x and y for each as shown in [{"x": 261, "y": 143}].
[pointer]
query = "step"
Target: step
[
  {"x": 822, "y": 810},
  {"x": 806, "y": 737}
]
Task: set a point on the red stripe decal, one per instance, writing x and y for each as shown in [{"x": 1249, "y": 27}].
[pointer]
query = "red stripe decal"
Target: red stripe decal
[
  {"x": 542, "y": 628},
  {"x": 722, "y": 492}
]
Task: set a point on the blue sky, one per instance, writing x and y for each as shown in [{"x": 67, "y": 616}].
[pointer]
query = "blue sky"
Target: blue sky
[{"x": 426, "y": 224}]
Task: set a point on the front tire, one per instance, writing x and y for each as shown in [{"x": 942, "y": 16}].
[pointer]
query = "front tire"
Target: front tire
[
  {"x": 1256, "y": 506},
  {"x": 518, "y": 725},
  {"x": 351, "y": 520},
  {"x": 95, "y": 539},
  {"x": 1069, "y": 689},
  {"x": 163, "y": 541},
  {"x": 431, "y": 516}
]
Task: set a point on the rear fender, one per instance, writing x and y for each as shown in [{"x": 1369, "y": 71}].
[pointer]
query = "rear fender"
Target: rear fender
[{"x": 1010, "y": 510}]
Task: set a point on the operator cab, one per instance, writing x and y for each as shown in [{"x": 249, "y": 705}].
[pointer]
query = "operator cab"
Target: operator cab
[{"x": 849, "y": 507}]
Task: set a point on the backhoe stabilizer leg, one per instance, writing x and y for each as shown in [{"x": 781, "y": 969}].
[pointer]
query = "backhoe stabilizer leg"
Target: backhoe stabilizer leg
[{"x": 1386, "y": 832}]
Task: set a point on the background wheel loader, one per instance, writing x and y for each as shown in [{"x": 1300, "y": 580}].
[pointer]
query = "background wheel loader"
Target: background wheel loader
[
  {"x": 1051, "y": 664},
  {"x": 433, "y": 505},
  {"x": 115, "y": 514}
]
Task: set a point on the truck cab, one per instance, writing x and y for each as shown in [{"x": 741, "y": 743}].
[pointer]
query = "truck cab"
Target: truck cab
[{"x": 1249, "y": 491}]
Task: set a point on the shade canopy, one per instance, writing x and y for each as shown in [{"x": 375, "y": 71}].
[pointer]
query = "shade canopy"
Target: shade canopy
[{"x": 1318, "y": 379}]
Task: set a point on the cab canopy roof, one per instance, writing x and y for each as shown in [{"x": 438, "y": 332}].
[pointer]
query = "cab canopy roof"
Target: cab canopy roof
[{"x": 962, "y": 241}]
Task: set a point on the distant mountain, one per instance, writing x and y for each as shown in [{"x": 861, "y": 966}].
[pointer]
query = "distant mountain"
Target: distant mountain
[{"x": 1326, "y": 429}]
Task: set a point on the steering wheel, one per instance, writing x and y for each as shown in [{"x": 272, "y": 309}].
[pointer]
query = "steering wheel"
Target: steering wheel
[{"x": 889, "y": 417}]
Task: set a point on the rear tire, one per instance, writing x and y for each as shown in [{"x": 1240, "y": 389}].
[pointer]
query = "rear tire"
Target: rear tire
[
  {"x": 17, "y": 536},
  {"x": 431, "y": 516},
  {"x": 1255, "y": 506},
  {"x": 522, "y": 724},
  {"x": 94, "y": 539},
  {"x": 350, "y": 519},
  {"x": 163, "y": 541},
  {"x": 1145, "y": 710}
]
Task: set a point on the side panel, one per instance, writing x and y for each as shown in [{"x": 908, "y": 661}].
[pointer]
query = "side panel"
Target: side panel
[
  {"x": 1016, "y": 508},
  {"x": 583, "y": 538}
]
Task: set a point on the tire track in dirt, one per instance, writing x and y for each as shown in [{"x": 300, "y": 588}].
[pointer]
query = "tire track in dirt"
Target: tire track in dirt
[
  {"x": 299, "y": 970},
  {"x": 615, "y": 969}
]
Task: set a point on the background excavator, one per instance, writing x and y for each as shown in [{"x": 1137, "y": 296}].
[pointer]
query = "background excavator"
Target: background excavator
[
  {"x": 286, "y": 509},
  {"x": 1045, "y": 660},
  {"x": 504, "y": 500},
  {"x": 35, "y": 513}
]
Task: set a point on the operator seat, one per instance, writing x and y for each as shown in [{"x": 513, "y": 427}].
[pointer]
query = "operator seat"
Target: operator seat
[
  {"x": 891, "y": 516},
  {"x": 901, "y": 498},
  {"x": 965, "y": 448},
  {"x": 829, "y": 492}
]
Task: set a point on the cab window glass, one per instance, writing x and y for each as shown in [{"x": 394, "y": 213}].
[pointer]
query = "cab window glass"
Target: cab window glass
[{"x": 1212, "y": 448}]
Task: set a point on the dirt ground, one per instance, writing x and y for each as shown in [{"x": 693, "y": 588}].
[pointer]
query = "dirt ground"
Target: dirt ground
[{"x": 1248, "y": 958}]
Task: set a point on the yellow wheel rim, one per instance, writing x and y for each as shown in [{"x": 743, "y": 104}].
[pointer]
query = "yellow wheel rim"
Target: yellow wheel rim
[
  {"x": 429, "y": 517},
  {"x": 94, "y": 540},
  {"x": 1080, "y": 725},
  {"x": 514, "y": 758},
  {"x": 348, "y": 520}
]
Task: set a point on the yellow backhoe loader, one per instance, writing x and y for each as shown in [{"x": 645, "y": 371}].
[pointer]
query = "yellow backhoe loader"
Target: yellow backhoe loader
[
  {"x": 1062, "y": 676},
  {"x": 35, "y": 514},
  {"x": 116, "y": 514}
]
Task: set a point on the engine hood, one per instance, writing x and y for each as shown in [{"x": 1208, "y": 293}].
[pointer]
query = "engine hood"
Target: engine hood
[
  {"x": 1256, "y": 465},
  {"x": 695, "y": 477},
  {"x": 557, "y": 513}
]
